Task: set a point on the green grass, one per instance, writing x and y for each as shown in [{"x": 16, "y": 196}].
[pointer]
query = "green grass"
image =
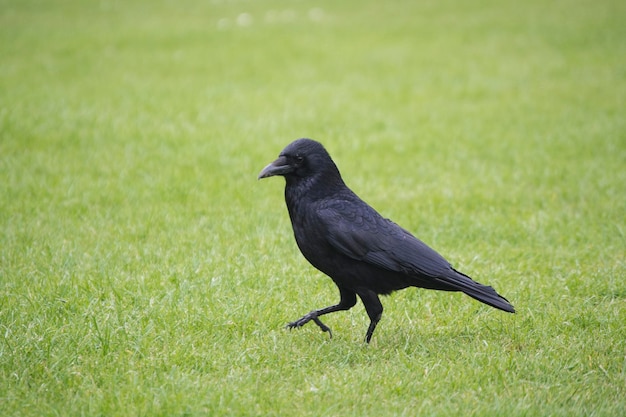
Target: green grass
[{"x": 145, "y": 272}]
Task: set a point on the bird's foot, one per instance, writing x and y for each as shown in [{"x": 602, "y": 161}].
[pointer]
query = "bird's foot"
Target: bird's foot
[{"x": 313, "y": 315}]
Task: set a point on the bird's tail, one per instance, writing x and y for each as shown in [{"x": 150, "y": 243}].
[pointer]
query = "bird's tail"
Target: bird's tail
[{"x": 483, "y": 293}]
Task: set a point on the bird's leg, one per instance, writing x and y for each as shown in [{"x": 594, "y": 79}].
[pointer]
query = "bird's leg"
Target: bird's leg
[
  {"x": 372, "y": 326},
  {"x": 313, "y": 315},
  {"x": 347, "y": 301},
  {"x": 374, "y": 309}
]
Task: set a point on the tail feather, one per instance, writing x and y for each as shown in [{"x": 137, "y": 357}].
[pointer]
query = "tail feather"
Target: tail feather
[{"x": 483, "y": 293}]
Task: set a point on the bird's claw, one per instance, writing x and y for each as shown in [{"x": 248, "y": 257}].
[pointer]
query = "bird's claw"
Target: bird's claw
[
  {"x": 324, "y": 327},
  {"x": 307, "y": 318}
]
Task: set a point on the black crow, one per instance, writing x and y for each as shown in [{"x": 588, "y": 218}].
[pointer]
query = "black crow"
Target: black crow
[{"x": 364, "y": 253}]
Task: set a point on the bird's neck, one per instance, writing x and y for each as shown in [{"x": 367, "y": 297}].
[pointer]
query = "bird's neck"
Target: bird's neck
[{"x": 308, "y": 190}]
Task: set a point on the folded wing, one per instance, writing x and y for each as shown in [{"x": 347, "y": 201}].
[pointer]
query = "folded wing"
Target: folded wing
[{"x": 356, "y": 230}]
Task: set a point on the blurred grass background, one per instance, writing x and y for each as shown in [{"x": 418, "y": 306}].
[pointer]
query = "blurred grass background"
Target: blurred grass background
[{"x": 145, "y": 271}]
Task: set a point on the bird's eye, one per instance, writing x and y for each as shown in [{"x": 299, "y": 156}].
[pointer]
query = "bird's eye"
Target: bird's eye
[{"x": 299, "y": 159}]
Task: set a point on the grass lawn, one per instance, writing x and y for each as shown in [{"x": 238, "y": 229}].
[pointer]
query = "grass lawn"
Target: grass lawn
[{"x": 144, "y": 271}]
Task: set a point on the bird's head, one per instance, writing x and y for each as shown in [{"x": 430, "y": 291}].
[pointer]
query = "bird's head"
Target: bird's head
[{"x": 302, "y": 158}]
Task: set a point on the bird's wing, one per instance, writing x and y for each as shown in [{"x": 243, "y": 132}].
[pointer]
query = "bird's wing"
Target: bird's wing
[{"x": 359, "y": 232}]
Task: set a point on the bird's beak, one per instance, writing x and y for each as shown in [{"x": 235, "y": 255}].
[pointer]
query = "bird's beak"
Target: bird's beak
[{"x": 279, "y": 167}]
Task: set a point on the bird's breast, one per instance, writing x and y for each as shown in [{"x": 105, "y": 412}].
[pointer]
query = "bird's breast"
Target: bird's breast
[{"x": 310, "y": 236}]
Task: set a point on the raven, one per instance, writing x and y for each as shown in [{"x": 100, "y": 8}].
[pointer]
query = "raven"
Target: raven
[{"x": 364, "y": 253}]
